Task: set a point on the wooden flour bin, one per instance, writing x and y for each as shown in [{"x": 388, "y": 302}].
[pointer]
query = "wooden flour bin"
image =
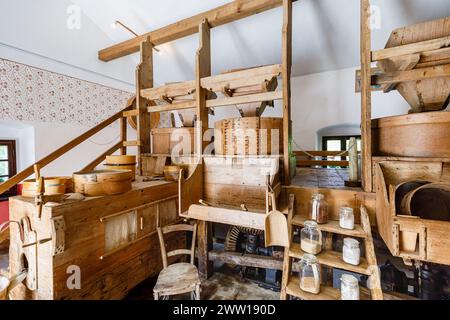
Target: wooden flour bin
[
  {"x": 413, "y": 135},
  {"x": 77, "y": 236},
  {"x": 411, "y": 237}
]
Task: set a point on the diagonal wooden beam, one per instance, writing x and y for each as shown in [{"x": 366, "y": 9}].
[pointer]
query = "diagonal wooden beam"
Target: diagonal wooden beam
[
  {"x": 227, "y": 13},
  {"x": 412, "y": 75}
]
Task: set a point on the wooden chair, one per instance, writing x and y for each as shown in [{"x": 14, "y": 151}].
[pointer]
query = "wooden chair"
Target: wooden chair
[{"x": 177, "y": 278}]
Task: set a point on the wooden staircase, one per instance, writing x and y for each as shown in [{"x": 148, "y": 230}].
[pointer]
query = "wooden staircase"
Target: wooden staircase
[{"x": 332, "y": 259}]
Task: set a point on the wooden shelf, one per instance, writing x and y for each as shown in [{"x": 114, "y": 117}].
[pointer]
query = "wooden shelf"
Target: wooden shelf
[
  {"x": 333, "y": 227},
  {"x": 331, "y": 259},
  {"x": 326, "y": 292}
]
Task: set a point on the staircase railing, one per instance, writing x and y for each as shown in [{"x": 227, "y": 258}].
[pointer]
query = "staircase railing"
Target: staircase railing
[{"x": 5, "y": 186}]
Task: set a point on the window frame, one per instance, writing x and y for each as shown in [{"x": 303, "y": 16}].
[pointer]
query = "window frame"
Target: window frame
[
  {"x": 12, "y": 166},
  {"x": 343, "y": 140}
]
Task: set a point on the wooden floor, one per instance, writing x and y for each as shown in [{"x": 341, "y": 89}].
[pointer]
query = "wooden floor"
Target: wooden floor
[
  {"x": 223, "y": 285},
  {"x": 321, "y": 178}
]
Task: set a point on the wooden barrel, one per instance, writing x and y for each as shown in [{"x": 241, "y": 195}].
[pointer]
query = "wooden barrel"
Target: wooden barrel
[
  {"x": 52, "y": 185},
  {"x": 431, "y": 201},
  {"x": 125, "y": 162},
  {"x": 248, "y": 136},
  {"x": 102, "y": 182}
]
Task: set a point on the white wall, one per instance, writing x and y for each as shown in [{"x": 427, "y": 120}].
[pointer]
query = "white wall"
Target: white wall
[
  {"x": 35, "y": 33},
  {"x": 328, "y": 99},
  {"x": 35, "y": 140},
  {"x": 50, "y": 137},
  {"x": 326, "y": 103}
]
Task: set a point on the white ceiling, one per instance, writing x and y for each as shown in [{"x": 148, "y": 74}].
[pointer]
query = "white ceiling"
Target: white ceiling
[{"x": 325, "y": 32}]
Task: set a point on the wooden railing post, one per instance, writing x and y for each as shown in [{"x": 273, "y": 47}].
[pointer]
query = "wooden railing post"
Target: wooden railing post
[
  {"x": 203, "y": 69},
  {"x": 286, "y": 73},
  {"x": 144, "y": 80},
  {"x": 366, "y": 97},
  {"x": 123, "y": 135}
]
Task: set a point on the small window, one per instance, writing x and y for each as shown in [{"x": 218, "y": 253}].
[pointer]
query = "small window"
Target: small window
[{"x": 8, "y": 161}]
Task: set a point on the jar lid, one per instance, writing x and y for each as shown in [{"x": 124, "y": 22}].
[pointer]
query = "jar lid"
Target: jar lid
[
  {"x": 309, "y": 258},
  {"x": 351, "y": 242},
  {"x": 318, "y": 196},
  {"x": 310, "y": 224},
  {"x": 346, "y": 210},
  {"x": 349, "y": 279}
]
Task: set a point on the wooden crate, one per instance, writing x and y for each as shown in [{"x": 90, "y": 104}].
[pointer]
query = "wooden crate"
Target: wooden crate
[
  {"x": 248, "y": 136},
  {"x": 165, "y": 139},
  {"x": 232, "y": 181},
  {"x": 87, "y": 235},
  {"x": 336, "y": 198}
]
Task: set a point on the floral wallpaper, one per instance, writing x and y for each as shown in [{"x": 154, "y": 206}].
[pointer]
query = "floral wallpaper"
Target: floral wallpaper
[{"x": 31, "y": 94}]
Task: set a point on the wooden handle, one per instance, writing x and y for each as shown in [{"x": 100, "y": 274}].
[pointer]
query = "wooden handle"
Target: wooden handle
[{"x": 274, "y": 201}]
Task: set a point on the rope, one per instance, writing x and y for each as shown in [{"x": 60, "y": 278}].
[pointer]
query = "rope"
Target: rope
[
  {"x": 106, "y": 143},
  {"x": 338, "y": 155},
  {"x": 313, "y": 156}
]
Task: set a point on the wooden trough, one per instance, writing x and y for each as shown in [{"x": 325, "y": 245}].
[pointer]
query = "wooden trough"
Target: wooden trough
[{"x": 110, "y": 244}]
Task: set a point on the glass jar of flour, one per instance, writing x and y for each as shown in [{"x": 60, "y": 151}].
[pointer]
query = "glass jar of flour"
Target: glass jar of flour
[
  {"x": 346, "y": 218},
  {"x": 349, "y": 287},
  {"x": 351, "y": 253},
  {"x": 309, "y": 274},
  {"x": 311, "y": 238}
]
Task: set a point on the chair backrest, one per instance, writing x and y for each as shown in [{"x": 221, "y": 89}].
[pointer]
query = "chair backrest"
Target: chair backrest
[{"x": 177, "y": 228}]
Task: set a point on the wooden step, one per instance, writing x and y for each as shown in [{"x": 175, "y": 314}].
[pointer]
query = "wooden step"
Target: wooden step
[
  {"x": 130, "y": 113},
  {"x": 326, "y": 292},
  {"x": 333, "y": 227},
  {"x": 332, "y": 259},
  {"x": 131, "y": 143}
]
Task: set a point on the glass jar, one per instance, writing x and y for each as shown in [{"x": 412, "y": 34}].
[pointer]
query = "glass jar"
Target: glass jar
[
  {"x": 351, "y": 253},
  {"x": 318, "y": 208},
  {"x": 346, "y": 218},
  {"x": 349, "y": 287},
  {"x": 311, "y": 238},
  {"x": 309, "y": 274}
]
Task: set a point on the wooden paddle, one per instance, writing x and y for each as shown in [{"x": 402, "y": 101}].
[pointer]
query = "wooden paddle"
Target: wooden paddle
[{"x": 276, "y": 228}]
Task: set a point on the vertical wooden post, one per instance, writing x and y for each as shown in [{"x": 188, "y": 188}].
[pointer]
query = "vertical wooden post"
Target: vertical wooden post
[
  {"x": 286, "y": 74},
  {"x": 375, "y": 277},
  {"x": 353, "y": 157},
  {"x": 144, "y": 79},
  {"x": 366, "y": 97},
  {"x": 123, "y": 134},
  {"x": 287, "y": 263},
  {"x": 203, "y": 69}
]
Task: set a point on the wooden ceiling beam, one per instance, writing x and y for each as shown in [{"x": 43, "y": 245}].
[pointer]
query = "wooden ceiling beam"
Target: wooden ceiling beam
[{"x": 227, "y": 13}]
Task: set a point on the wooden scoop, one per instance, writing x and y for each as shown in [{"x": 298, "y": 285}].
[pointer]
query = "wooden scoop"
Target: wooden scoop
[{"x": 276, "y": 228}]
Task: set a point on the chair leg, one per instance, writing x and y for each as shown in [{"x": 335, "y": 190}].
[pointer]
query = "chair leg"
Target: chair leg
[{"x": 197, "y": 292}]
